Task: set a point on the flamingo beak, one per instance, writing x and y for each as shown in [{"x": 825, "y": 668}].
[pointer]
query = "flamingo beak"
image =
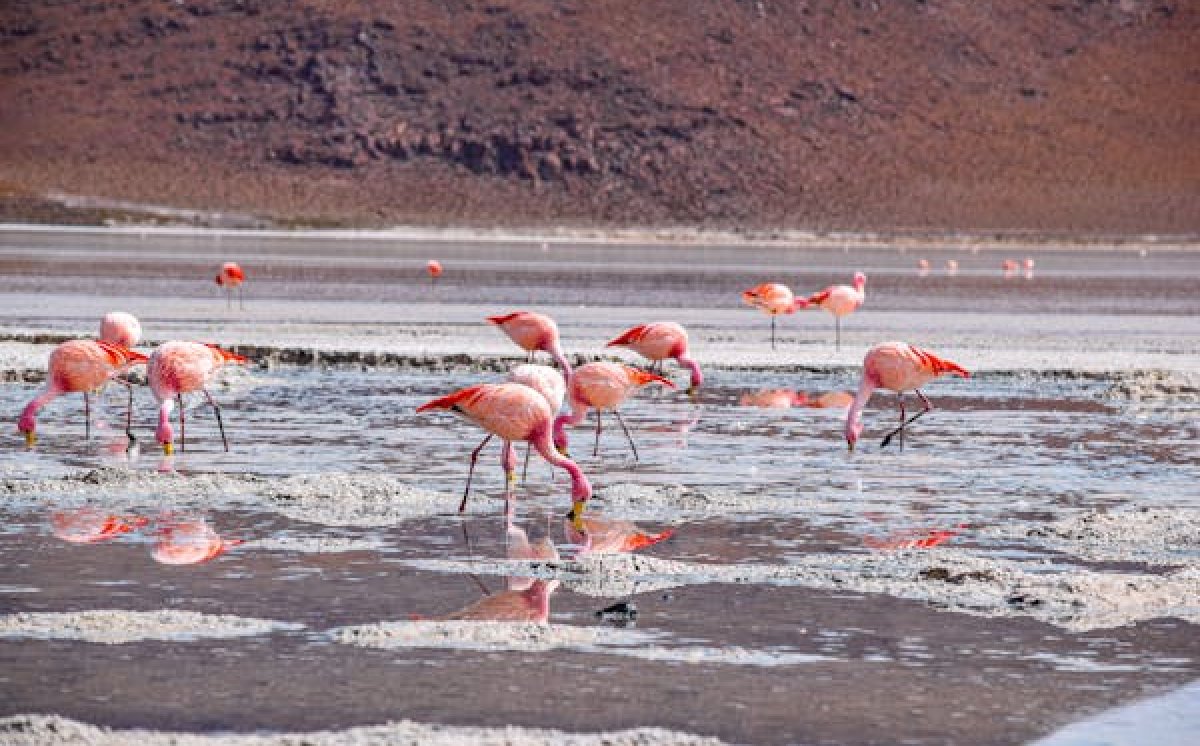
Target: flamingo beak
[
  {"x": 693, "y": 393},
  {"x": 30, "y": 439},
  {"x": 168, "y": 448},
  {"x": 563, "y": 451},
  {"x": 850, "y": 446},
  {"x": 576, "y": 516}
]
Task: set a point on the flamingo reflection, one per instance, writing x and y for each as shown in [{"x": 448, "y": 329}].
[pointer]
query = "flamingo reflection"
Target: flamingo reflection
[
  {"x": 90, "y": 525},
  {"x": 612, "y": 536},
  {"x": 787, "y": 398},
  {"x": 187, "y": 540},
  {"x": 526, "y": 599}
]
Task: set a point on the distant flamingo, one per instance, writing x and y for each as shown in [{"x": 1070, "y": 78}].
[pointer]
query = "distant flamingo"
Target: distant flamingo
[
  {"x": 839, "y": 300},
  {"x": 434, "y": 268},
  {"x": 831, "y": 400},
  {"x": 120, "y": 328},
  {"x": 1028, "y": 264},
  {"x": 188, "y": 541},
  {"x": 922, "y": 267},
  {"x": 610, "y": 536},
  {"x": 774, "y": 399},
  {"x": 951, "y": 266},
  {"x": 658, "y": 341},
  {"x": 771, "y": 298},
  {"x": 533, "y": 331},
  {"x": 899, "y": 367},
  {"x": 90, "y": 525},
  {"x": 514, "y": 412},
  {"x": 84, "y": 366},
  {"x": 603, "y": 387},
  {"x": 177, "y": 368},
  {"x": 231, "y": 276},
  {"x": 1009, "y": 266}
]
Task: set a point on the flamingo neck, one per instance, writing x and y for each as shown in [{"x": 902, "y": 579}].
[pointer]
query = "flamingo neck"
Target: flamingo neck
[
  {"x": 557, "y": 353},
  {"x": 854, "y": 413},
  {"x": 164, "y": 433},
  {"x": 581, "y": 488},
  {"x": 573, "y": 417},
  {"x": 694, "y": 367},
  {"x": 28, "y": 421}
]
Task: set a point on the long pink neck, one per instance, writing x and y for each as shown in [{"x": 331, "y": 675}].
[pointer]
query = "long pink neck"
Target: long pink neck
[
  {"x": 572, "y": 418},
  {"x": 556, "y": 352},
  {"x": 28, "y": 421},
  {"x": 164, "y": 433},
  {"x": 581, "y": 488},
  {"x": 854, "y": 414},
  {"x": 692, "y": 365}
]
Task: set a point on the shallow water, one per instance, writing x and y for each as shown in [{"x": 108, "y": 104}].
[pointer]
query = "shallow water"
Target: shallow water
[{"x": 1028, "y": 558}]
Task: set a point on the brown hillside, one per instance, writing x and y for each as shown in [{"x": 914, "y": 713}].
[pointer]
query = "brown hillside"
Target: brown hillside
[{"x": 1066, "y": 115}]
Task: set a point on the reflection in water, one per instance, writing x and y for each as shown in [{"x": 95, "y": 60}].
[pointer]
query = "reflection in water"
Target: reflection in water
[
  {"x": 529, "y": 605},
  {"x": 187, "y": 540},
  {"x": 91, "y": 524},
  {"x": 910, "y": 538},
  {"x": 610, "y": 536},
  {"x": 786, "y": 398}
]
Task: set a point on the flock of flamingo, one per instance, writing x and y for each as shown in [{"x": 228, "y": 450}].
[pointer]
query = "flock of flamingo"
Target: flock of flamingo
[{"x": 526, "y": 407}]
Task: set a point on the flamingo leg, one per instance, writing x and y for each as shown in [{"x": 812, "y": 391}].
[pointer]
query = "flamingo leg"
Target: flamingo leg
[
  {"x": 837, "y": 327},
  {"x": 627, "y": 435},
  {"x": 525, "y": 467},
  {"x": 596, "y": 447},
  {"x": 772, "y": 331},
  {"x": 87, "y": 416},
  {"x": 508, "y": 460},
  {"x": 220, "y": 424},
  {"x": 462, "y": 507},
  {"x": 182, "y": 432},
  {"x": 905, "y": 423},
  {"x": 241, "y": 298},
  {"x": 128, "y": 410}
]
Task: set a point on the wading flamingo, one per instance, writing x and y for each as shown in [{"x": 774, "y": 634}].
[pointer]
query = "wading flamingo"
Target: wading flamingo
[
  {"x": 120, "y": 328},
  {"x": 434, "y": 268},
  {"x": 84, "y": 366},
  {"x": 603, "y": 387},
  {"x": 541, "y": 378},
  {"x": 231, "y": 276},
  {"x": 771, "y": 298},
  {"x": 922, "y": 267},
  {"x": 533, "y": 331},
  {"x": 658, "y": 341},
  {"x": 899, "y": 367},
  {"x": 839, "y": 300},
  {"x": 177, "y": 368},
  {"x": 951, "y": 266},
  {"x": 514, "y": 411}
]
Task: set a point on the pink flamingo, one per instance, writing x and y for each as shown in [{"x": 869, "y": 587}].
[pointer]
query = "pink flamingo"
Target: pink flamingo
[
  {"x": 177, "y": 368},
  {"x": 1009, "y": 266},
  {"x": 541, "y": 378},
  {"x": 518, "y": 547},
  {"x": 231, "y": 276},
  {"x": 951, "y": 266},
  {"x": 658, "y": 341},
  {"x": 90, "y": 525},
  {"x": 188, "y": 541},
  {"x": 771, "y": 298},
  {"x": 899, "y": 367},
  {"x": 80, "y": 365},
  {"x": 434, "y": 268},
  {"x": 610, "y": 536},
  {"x": 603, "y": 387},
  {"x": 120, "y": 328},
  {"x": 774, "y": 399},
  {"x": 533, "y": 331},
  {"x": 922, "y": 267},
  {"x": 839, "y": 300},
  {"x": 514, "y": 412}
]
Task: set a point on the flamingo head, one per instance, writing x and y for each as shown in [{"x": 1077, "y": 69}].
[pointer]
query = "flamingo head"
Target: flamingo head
[
  {"x": 860, "y": 281},
  {"x": 27, "y": 426}
]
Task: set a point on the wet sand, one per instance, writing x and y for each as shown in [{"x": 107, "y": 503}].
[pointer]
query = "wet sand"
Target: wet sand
[{"x": 804, "y": 597}]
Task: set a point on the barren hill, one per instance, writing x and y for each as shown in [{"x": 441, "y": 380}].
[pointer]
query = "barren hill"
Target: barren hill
[{"x": 1059, "y": 115}]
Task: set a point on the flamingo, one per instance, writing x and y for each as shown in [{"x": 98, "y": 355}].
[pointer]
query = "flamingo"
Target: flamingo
[
  {"x": 658, "y": 341},
  {"x": 774, "y": 399},
  {"x": 951, "y": 266},
  {"x": 533, "y": 331},
  {"x": 601, "y": 386},
  {"x": 434, "y": 268},
  {"x": 177, "y": 368},
  {"x": 80, "y": 365},
  {"x": 120, "y": 328},
  {"x": 231, "y": 276},
  {"x": 899, "y": 367},
  {"x": 514, "y": 412},
  {"x": 839, "y": 300},
  {"x": 922, "y": 267},
  {"x": 541, "y": 378},
  {"x": 1009, "y": 266},
  {"x": 771, "y": 298}
]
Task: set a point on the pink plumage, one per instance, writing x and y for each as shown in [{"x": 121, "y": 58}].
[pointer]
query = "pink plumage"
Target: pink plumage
[
  {"x": 604, "y": 387},
  {"x": 532, "y": 332},
  {"x": 177, "y": 368},
  {"x": 658, "y": 341}
]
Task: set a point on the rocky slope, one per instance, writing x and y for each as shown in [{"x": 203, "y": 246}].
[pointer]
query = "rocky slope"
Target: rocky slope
[{"x": 1060, "y": 115}]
